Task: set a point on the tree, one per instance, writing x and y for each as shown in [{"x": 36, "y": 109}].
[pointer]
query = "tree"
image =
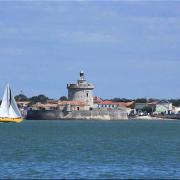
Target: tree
[
  {"x": 175, "y": 102},
  {"x": 21, "y": 97},
  {"x": 121, "y": 100},
  {"x": 63, "y": 98},
  {"x": 141, "y": 100},
  {"x": 152, "y": 100},
  {"x": 40, "y": 98}
]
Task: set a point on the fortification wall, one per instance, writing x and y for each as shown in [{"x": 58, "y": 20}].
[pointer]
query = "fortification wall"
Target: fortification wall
[{"x": 84, "y": 115}]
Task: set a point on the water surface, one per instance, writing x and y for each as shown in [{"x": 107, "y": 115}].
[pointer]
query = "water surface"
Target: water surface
[{"x": 90, "y": 149}]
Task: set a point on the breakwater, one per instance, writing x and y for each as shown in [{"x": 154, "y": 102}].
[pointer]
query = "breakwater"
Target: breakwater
[{"x": 82, "y": 114}]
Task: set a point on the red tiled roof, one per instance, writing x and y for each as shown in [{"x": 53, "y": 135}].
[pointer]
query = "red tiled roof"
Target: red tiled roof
[
  {"x": 44, "y": 105},
  {"x": 97, "y": 99},
  {"x": 108, "y": 103},
  {"x": 124, "y": 104}
]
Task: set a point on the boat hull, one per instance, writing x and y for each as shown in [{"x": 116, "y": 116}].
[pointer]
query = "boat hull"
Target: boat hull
[{"x": 16, "y": 120}]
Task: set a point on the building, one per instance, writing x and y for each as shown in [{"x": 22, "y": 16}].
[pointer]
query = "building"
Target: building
[
  {"x": 156, "y": 107},
  {"x": 176, "y": 110},
  {"x": 46, "y": 106},
  {"x": 80, "y": 105},
  {"x": 97, "y": 99},
  {"x": 164, "y": 107},
  {"x": 72, "y": 106},
  {"x": 23, "y": 104},
  {"x": 140, "y": 106},
  {"x": 81, "y": 91},
  {"x": 107, "y": 104},
  {"x": 125, "y": 106},
  {"x": 144, "y": 108}
]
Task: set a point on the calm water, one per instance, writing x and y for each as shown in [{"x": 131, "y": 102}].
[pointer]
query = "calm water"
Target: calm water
[{"x": 90, "y": 149}]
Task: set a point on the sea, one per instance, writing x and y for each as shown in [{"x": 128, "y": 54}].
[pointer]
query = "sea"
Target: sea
[{"x": 76, "y": 149}]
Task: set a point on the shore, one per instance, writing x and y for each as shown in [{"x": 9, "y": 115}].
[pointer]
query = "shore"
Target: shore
[{"x": 151, "y": 118}]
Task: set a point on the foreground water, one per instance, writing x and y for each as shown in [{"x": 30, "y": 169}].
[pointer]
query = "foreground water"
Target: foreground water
[{"x": 90, "y": 149}]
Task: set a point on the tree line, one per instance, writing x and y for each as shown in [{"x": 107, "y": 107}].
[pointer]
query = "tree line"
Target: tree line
[
  {"x": 34, "y": 99},
  {"x": 175, "y": 102},
  {"x": 43, "y": 99}
]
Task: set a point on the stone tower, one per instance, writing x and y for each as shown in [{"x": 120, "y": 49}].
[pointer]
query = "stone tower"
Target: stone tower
[{"x": 81, "y": 91}]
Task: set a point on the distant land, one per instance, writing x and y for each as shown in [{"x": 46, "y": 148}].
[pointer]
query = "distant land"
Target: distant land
[{"x": 43, "y": 99}]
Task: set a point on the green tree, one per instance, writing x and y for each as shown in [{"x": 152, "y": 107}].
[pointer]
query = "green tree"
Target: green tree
[
  {"x": 40, "y": 98},
  {"x": 152, "y": 100},
  {"x": 121, "y": 100},
  {"x": 141, "y": 100},
  {"x": 63, "y": 98},
  {"x": 175, "y": 102},
  {"x": 21, "y": 97}
]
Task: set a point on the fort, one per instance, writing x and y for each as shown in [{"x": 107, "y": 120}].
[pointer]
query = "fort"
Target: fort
[{"x": 80, "y": 105}]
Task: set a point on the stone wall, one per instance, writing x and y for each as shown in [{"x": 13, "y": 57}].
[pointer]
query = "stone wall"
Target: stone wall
[
  {"x": 81, "y": 91},
  {"x": 83, "y": 95},
  {"x": 85, "y": 115}
]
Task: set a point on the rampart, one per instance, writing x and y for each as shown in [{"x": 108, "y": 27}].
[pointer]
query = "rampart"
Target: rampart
[{"x": 83, "y": 114}]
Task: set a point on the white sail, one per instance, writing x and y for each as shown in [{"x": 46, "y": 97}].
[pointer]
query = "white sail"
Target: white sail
[
  {"x": 4, "y": 109},
  {"x": 8, "y": 106},
  {"x": 13, "y": 109}
]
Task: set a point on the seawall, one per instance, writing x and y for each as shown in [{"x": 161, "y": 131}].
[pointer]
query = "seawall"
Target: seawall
[{"x": 84, "y": 115}]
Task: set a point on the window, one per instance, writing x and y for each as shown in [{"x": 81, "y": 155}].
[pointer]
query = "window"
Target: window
[{"x": 78, "y": 108}]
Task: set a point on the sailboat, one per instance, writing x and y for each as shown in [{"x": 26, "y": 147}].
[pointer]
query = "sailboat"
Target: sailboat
[{"x": 9, "y": 111}]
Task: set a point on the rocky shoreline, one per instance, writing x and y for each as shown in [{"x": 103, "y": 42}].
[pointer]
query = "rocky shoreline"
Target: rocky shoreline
[{"x": 157, "y": 117}]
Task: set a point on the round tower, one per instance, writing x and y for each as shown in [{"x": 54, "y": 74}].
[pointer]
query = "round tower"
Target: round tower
[{"x": 81, "y": 91}]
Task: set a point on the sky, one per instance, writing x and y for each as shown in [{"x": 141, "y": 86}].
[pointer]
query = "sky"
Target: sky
[{"x": 127, "y": 49}]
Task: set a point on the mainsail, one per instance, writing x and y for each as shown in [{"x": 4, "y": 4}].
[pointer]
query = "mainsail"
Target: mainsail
[{"x": 9, "y": 107}]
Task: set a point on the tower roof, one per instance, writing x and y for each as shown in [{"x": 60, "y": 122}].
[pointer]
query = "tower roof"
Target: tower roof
[
  {"x": 81, "y": 83},
  {"x": 82, "y": 77}
]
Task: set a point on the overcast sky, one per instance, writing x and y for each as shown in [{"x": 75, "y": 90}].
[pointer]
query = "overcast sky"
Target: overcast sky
[{"x": 127, "y": 49}]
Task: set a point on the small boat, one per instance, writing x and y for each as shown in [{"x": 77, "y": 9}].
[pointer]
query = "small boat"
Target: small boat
[{"x": 9, "y": 111}]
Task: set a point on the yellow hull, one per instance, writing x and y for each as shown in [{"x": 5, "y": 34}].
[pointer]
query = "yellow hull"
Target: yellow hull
[{"x": 16, "y": 120}]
